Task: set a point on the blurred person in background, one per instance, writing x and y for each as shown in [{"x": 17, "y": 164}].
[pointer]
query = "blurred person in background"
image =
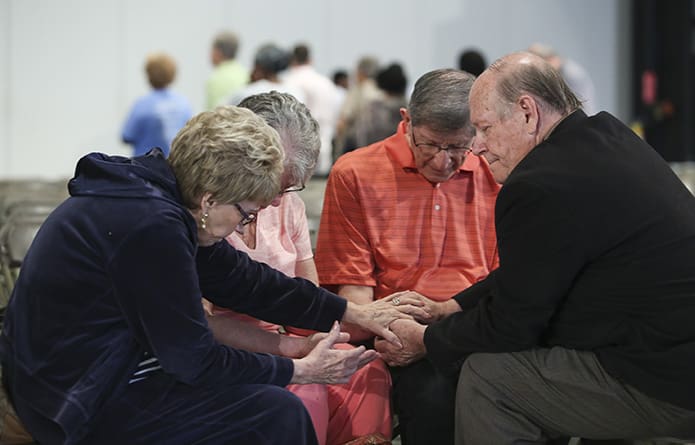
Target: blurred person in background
[
  {"x": 228, "y": 75},
  {"x": 382, "y": 114},
  {"x": 268, "y": 62},
  {"x": 341, "y": 79},
  {"x": 576, "y": 76},
  {"x": 322, "y": 98},
  {"x": 472, "y": 61},
  {"x": 156, "y": 117},
  {"x": 363, "y": 91}
]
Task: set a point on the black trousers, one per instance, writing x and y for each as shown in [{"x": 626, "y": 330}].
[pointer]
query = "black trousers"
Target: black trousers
[{"x": 425, "y": 401}]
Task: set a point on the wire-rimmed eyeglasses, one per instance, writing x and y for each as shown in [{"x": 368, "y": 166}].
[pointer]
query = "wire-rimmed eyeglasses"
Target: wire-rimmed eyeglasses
[
  {"x": 246, "y": 218},
  {"x": 430, "y": 149},
  {"x": 296, "y": 188}
]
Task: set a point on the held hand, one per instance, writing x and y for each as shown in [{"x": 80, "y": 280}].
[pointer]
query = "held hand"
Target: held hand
[
  {"x": 311, "y": 341},
  {"x": 378, "y": 315},
  {"x": 327, "y": 365},
  {"x": 413, "y": 303},
  {"x": 411, "y": 335},
  {"x": 434, "y": 310}
]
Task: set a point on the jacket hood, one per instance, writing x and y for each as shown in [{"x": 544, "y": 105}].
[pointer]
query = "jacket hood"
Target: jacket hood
[{"x": 148, "y": 176}]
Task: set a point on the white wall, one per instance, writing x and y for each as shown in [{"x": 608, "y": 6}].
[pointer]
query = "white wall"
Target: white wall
[
  {"x": 4, "y": 86},
  {"x": 70, "y": 69}
]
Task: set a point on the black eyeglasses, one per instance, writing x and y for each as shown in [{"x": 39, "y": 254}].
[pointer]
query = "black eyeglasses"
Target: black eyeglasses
[
  {"x": 296, "y": 188},
  {"x": 429, "y": 149},
  {"x": 246, "y": 218}
]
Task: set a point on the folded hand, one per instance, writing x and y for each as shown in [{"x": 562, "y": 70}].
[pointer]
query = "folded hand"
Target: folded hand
[
  {"x": 377, "y": 316},
  {"x": 411, "y": 335}
]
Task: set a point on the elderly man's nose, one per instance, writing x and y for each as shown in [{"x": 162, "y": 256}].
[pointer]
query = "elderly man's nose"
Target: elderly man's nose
[
  {"x": 477, "y": 146},
  {"x": 442, "y": 158}
]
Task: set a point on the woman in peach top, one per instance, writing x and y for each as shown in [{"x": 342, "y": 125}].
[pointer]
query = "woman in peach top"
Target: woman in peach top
[{"x": 279, "y": 236}]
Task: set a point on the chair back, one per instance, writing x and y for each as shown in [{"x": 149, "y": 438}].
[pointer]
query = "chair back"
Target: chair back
[{"x": 20, "y": 222}]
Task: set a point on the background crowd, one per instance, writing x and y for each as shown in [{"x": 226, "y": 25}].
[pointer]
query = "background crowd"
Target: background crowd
[{"x": 353, "y": 108}]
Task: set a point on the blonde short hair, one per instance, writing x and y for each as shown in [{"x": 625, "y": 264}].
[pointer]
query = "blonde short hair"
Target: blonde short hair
[{"x": 230, "y": 153}]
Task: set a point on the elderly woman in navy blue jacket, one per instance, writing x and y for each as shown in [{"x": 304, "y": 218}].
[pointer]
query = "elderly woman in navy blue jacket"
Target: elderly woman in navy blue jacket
[{"x": 105, "y": 339}]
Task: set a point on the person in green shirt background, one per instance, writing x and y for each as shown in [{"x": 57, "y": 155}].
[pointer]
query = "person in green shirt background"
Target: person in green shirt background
[{"x": 228, "y": 76}]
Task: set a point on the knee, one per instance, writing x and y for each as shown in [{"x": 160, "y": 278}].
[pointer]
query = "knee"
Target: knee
[
  {"x": 280, "y": 399},
  {"x": 470, "y": 371},
  {"x": 375, "y": 374},
  {"x": 475, "y": 376},
  {"x": 426, "y": 388},
  {"x": 278, "y": 417},
  {"x": 436, "y": 384}
]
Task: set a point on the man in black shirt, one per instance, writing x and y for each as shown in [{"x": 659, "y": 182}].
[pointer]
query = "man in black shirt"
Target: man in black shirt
[{"x": 586, "y": 328}]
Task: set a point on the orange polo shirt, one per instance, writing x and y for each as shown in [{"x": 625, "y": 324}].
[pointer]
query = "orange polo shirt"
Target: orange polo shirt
[{"x": 385, "y": 226}]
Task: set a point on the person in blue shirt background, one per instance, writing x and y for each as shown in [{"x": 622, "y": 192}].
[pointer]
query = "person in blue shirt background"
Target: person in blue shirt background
[{"x": 156, "y": 117}]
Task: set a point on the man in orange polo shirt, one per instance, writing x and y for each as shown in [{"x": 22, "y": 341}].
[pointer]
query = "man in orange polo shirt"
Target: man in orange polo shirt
[{"x": 413, "y": 212}]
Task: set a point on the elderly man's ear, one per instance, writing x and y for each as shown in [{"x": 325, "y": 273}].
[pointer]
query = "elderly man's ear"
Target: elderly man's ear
[{"x": 529, "y": 108}]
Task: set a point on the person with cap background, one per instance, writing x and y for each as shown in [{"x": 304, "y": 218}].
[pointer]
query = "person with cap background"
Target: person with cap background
[{"x": 269, "y": 61}]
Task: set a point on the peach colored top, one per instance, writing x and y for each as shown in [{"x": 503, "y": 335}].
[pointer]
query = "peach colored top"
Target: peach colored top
[{"x": 282, "y": 239}]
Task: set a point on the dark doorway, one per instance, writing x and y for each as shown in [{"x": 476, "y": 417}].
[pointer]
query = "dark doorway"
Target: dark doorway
[{"x": 664, "y": 65}]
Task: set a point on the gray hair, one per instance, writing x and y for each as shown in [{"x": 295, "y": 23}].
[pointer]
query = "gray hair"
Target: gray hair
[
  {"x": 440, "y": 101},
  {"x": 368, "y": 67},
  {"x": 536, "y": 78},
  {"x": 227, "y": 44},
  {"x": 298, "y": 130}
]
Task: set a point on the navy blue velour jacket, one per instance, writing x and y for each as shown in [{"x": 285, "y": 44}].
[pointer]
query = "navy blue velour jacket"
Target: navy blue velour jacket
[{"x": 115, "y": 272}]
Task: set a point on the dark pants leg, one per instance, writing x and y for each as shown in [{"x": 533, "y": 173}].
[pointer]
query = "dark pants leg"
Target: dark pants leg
[
  {"x": 533, "y": 396},
  {"x": 424, "y": 400},
  {"x": 160, "y": 411}
]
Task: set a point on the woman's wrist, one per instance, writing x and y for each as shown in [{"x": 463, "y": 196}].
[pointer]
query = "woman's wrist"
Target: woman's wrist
[
  {"x": 299, "y": 374},
  {"x": 353, "y": 314},
  {"x": 292, "y": 347}
]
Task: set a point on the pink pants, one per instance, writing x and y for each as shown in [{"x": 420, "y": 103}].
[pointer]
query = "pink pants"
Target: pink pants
[{"x": 343, "y": 412}]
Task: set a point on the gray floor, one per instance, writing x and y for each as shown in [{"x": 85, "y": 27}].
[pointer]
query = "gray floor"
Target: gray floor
[{"x": 312, "y": 196}]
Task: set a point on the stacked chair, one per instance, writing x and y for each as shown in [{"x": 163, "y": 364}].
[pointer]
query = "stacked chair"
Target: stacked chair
[{"x": 24, "y": 205}]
